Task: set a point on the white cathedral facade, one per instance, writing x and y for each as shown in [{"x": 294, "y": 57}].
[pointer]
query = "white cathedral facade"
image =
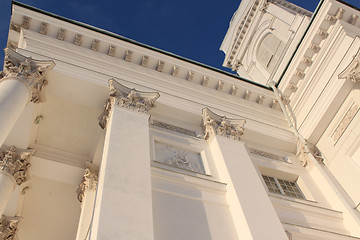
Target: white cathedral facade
[{"x": 105, "y": 138}]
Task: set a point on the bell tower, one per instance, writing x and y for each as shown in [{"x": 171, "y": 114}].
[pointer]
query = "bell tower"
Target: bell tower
[{"x": 261, "y": 38}]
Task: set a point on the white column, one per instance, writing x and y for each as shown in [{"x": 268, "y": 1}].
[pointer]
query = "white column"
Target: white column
[
  {"x": 14, "y": 164},
  {"x": 252, "y": 211},
  {"x": 86, "y": 195},
  {"x": 123, "y": 208},
  {"x": 21, "y": 82},
  {"x": 14, "y": 95}
]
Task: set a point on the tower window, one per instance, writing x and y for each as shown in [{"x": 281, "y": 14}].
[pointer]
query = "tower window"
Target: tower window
[
  {"x": 269, "y": 51},
  {"x": 283, "y": 187}
]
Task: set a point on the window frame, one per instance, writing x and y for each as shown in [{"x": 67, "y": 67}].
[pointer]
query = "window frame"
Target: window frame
[{"x": 281, "y": 189}]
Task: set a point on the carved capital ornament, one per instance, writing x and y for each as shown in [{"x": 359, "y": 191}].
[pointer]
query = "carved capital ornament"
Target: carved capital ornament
[
  {"x": 15, "y": 162},
  {"x": 129, "y": 98},
  {"x": 8, "y": 227},
  {"x": 90, "y": 180},
  {"x": 352, "y": 71},
  {"x": 221, "y": 125},
  {"x": 31, "y": 72}
]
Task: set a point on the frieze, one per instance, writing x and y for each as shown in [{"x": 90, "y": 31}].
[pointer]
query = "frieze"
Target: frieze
[
  {"x": 174, "y": 128},
  {"x": 345, "y": 122},
  {"x": 267, "y": 155},
  {"x": 131, "y": 98},
  {"x": 221, "y": 125},
  {"x": 179, "y": 158},
  {"x": 31, "y": 71},
  {"x": 16, "y": 162}
]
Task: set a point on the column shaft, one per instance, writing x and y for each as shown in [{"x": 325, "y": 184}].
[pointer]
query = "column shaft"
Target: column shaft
[
  {"x": 7, "y": 185},
  {"x": 14, "y": 95},
  {"x": 123, "y": 208}
]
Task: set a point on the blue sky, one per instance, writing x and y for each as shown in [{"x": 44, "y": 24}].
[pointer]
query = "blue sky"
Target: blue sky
[{"x": 190, "y": 28}]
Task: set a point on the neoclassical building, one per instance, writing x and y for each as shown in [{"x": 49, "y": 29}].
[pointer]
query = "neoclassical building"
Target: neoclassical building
[{"x": 104, "y": 138}]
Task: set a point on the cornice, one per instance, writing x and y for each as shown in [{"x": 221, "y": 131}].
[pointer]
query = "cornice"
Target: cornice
[
  {"x": 332, "y": 17},
  {"x": 112, "y": 48}
]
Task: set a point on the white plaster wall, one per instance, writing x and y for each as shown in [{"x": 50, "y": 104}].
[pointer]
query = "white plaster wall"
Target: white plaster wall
[
  {"x": 50, "y": 211},
  {"x": 188, "y": 215}
]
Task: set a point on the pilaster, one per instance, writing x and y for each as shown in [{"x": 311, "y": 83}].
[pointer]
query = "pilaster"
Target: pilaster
[
  {"x": 86, "y": 195},
  {"x": 252, "y": 211},
  {"x": 123, "y": 208}
]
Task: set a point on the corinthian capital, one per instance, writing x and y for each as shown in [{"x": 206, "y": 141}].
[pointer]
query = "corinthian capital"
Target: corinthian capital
[
  {"x": 352, "y": 71},
  {"x": 8, "y": 227},
  {"x": 131, "y": 98},
  {"x": 15, "y": 162},
  {"x": 90, "y": 180},
  {"x": 221, "y": 125},
  {"x": 31, "y": 71}
]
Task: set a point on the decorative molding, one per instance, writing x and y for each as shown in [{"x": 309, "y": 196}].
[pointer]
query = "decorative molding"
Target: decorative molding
[
  {"x": 131, "y": 98},
  {"x": 61, "y": 34},
  {"x": 260, "y": 99},
  {"x": 90, "y": 180},
  {"x": 233, "y": 89},
  {"x": 352, "y": 71},
  {"x": 8, "y": 227},
  {"x": 128, "y": 55},
  {"x": 267, "y": 155},
  {"x": 220, "y": 85},
  {"x": 95, "y": 45},
  {"x": 160, "y": 66},
  {"x": 353, "y": 19},
  {"x": 175, "y": 71},
  {"x": 340, "y": 13},
  {"x": 205, "y": 81},
  {"x": 144, "y": 61},
  {"x": 247, "y": 94},
  {"x": 345, "y": 122},
  {"x": 173, "y": 128},
  {"x": 105, "y": 115},
  {"x": 179, "y": 158},
  {"x": 303, "y": 154},
  {"x": 190, "y": 75},
  {"x": 15, "y": 162},
  {"x": 31, "y": 71},
  {"x": 221, "y": 125},
  {"x": 43, "y": 28},
  {"x": 111, "y": 50},
  {"x": 26, "y": 22},
  {"x": 77, "y": 40}
]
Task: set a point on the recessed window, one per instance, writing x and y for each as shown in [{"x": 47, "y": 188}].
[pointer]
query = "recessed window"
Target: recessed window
[{"x": 283, "y": 187}]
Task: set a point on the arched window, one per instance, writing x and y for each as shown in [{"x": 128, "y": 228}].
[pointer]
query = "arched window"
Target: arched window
[{"x": 269, "y": 51}]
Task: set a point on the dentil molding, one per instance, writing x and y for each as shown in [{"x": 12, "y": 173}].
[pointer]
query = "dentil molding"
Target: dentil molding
[
  {"x": 221, "y": 125},
  {"x": 16, "y": 162},
  {"x": 30, "y": 71}
]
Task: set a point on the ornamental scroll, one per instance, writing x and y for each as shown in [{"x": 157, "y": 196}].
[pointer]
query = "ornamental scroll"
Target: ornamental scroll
[
  {"x": 221, "y": 125},
  {"x": 16, "y": 162},
  {"x": 31, "y": 71},
  {"x": 129, "y": 98}
]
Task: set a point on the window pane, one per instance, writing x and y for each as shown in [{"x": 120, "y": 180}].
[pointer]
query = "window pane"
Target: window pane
[
  {"x": 271, "y": 184},
  {"x": 291, "y": 189}
]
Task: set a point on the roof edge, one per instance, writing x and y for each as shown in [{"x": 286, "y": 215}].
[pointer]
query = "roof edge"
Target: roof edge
[{"x": 136, "y": 43}]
